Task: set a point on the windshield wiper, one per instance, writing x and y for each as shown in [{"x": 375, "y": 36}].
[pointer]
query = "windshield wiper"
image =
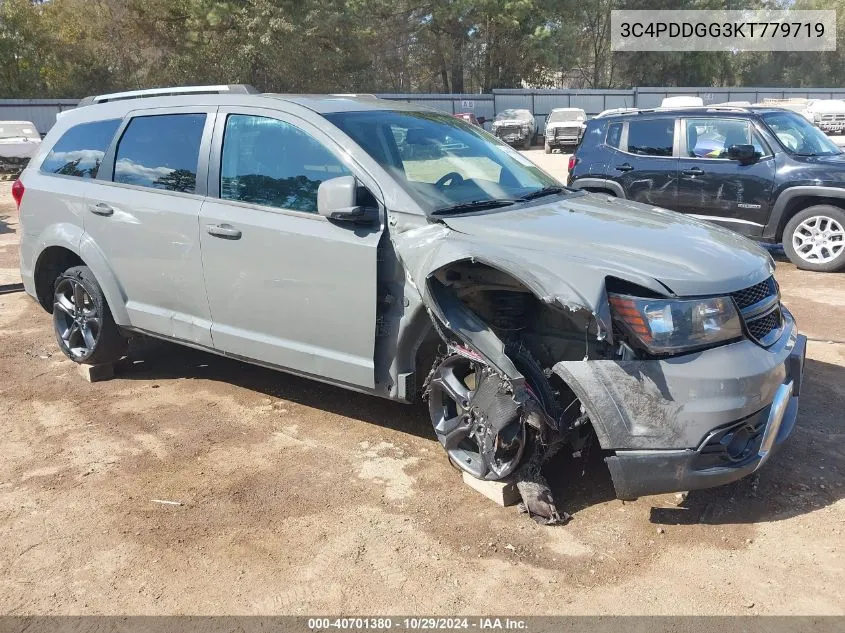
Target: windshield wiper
[
  {"x": 545, "y": 191},
  {"x": 475, "y": 205},
  {"x": 805, "y": 153}
]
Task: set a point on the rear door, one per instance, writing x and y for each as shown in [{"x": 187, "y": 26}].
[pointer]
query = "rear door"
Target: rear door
[
  {"x": 646, "y": 165},
  {"x": 286, "y": 286},
  {"x": 714, "y": 188},
  {"x": 142, "y": 213}
]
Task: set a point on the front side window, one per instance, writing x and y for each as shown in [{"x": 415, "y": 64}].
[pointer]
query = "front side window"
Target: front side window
[
  {"x": 441, "y": 161},
  {"x": 798, "y": 135},
  {"x": 712, "y": 138},
  {"x": 273, "y": 163},
  {"x": 161, "y": 152},
  {"x": 651, "y": 138},
  {"x": 80, "y": 150}
]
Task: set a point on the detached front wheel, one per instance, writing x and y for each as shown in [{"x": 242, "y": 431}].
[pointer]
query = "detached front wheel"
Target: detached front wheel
[
  {"x": 475, "y": 417},
  {"x": 82, "y": 321},
  {"x": 814, "y": 239}
]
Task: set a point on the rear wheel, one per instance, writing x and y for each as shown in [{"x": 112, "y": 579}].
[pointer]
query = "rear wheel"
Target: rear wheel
[
  {"x": 814, "y": 239},
  {"x": 82, "y": 321}
]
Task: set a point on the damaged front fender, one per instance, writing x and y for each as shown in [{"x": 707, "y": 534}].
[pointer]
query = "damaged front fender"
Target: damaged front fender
[{"x": 426, "y": 250}]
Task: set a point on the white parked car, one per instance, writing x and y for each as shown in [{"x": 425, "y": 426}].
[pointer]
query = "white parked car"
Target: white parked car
[
  {"x": 827, "y": 114},
  {"x": 564, "y": 128},
  {"x": 19, "y": 140}
]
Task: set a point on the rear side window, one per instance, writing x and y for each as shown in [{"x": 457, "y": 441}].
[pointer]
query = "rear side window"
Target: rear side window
[
  {"x": 80, "y": 150},
  {"x": 161, "y": 152},
  {"x": 651, "y": 138},
  {"x": 273, "y": 163},
  {"x": 614, "y": 135}
]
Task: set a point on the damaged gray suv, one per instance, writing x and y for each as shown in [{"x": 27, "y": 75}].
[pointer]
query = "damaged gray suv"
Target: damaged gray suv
[{"x": 398, "y": 251}]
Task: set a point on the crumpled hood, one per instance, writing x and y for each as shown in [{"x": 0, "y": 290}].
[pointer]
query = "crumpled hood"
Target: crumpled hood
[{"x": 592, "y": 234}]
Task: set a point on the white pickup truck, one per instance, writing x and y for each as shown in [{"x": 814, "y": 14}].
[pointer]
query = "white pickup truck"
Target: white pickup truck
[{"x": 19, "y": 140}]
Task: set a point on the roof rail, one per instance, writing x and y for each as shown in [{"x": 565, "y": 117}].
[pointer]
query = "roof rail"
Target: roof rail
[{"x": 168, "y": 92}]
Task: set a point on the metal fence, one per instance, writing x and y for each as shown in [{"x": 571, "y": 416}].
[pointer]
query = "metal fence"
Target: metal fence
[{"x": 43, "y": 112}]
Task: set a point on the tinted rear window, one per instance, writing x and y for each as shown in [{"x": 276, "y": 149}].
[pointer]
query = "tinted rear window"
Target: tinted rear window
[
  {"x": 651, "y": 138},
  {"x": 80, "y": 150},
  {"x": 161, "y": 152},
  {"x": 614, "y": 135}
]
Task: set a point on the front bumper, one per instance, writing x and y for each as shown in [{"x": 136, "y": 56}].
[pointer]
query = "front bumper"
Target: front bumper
[
  {"x": 692, "y": 422},
  {"x": 561, "y": 141},
  {"x": 512, "y": 138},
  {"x": 832, "y": 127}
]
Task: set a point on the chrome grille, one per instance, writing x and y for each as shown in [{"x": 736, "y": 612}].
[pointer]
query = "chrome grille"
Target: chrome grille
[
  {"x": 756, "y": 293},
  {"x": 508, "y": 129},
  {"x": 759, "y": 306},
  {"x": 761, "y": 327}
]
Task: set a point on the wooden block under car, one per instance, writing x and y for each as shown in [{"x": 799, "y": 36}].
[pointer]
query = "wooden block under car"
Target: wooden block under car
[
  {"x": 96, "y": 373},
  {"x": 503, "y": 493}
]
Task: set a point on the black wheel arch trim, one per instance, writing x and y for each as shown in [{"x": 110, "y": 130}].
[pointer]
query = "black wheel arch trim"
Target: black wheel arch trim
[
  {"x": 776, "y": 218},
  {"x": 602, "y": 183}
]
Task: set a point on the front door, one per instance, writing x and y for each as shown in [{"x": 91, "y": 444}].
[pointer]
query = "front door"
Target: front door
[
  {"x": 142, "y": 213},
  {"x": 285, "y": 285},
  {"x": 714, "y": 188}
]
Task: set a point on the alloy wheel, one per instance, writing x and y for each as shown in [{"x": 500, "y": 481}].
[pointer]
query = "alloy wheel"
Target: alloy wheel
[
  {"x": 76, "y": 318},
  {"x": 819, "y": 239},
  {"x": 461, "y": 425}
]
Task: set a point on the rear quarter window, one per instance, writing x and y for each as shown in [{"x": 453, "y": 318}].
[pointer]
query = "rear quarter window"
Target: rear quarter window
[
  {"x": 593, "y": 135},
  {"x": 80, "y": 150}
]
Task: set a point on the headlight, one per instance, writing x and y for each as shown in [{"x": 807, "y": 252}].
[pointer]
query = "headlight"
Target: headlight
[
  {"x": 665, "y": 326},
  {"x": 817, "y": 117},
  {"x": 524, "y": 127}
]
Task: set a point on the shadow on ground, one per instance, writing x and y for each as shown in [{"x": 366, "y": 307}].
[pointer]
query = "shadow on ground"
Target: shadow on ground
[
  {"x": 152, "y": 360},
  {"x": 807, "y": 474}
]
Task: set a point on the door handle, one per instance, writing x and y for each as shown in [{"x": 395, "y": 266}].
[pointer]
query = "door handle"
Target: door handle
[
  {"x": 226, "y": 231},
  {"x": 101, "y": 208},
  {"x": 624, "y": 167},
  {"x": 695, "y": 171}
]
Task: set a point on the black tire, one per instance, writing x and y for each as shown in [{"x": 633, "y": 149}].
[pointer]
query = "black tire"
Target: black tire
[
  {"x": 526, "y": 144},
  {"x": 535, "y": 378},
  {"x": 83, "y": 324},
  {"x": 796, "y": 231}
]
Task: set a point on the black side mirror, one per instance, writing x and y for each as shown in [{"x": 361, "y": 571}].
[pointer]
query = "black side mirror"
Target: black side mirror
[
  {"x": 481, "y": 120},
  {"x": 743, "y": 153}
]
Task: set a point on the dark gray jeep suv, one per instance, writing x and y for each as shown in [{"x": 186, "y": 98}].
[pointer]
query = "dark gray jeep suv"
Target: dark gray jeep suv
[{"x": 764, "y": 172}]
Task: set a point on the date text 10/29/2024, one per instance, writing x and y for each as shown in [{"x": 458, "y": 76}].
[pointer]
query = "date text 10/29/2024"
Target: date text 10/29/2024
[{"x": 417, "y": 624}]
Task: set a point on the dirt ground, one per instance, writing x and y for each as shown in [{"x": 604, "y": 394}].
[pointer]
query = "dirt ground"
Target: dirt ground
[{"x": 302, "y": 498}]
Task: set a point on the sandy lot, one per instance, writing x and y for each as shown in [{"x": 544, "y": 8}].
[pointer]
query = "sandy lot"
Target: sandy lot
[{"x": 302, "y": 498}]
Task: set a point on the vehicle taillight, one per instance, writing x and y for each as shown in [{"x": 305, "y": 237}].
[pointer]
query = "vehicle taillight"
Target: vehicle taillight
[
  {"x": 17, "y": 192},
  {"x": 573, "y": 160}
]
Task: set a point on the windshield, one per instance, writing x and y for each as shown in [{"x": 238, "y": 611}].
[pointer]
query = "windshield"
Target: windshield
[
  {"x": 513, "y": 114},
  {"x": 442, "y": 161},
  {"x": 799, "y": 136},
  {"x": 18, "y": 130},
  {"x": 567, "y": 115}
]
